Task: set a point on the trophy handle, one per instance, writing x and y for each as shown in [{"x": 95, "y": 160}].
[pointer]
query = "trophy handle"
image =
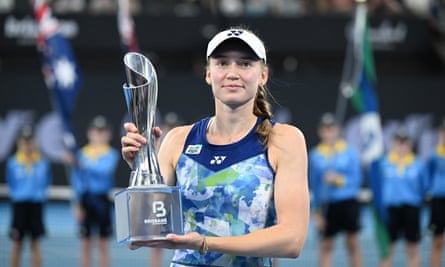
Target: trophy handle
[{"x": 141, "y": 93}]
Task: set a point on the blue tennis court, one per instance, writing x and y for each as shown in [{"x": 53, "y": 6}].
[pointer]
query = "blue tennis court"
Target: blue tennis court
[{"x": 61, "y": 247}]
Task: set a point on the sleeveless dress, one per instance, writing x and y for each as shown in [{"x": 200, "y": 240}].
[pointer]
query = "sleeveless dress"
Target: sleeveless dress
[{"x": 227, "y": 190}]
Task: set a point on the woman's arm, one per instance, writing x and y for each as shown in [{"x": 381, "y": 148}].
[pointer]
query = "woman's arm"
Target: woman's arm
[{"x": 169, "y": 150}]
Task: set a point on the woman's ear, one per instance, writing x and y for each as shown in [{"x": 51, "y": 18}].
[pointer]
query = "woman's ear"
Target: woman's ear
[
  {"x": 264, "y": 76},
  {"x": 208, "y": 80}
]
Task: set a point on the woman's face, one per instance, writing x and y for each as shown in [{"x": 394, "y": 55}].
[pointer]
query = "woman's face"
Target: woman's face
[{"x": 235, "y": 76}]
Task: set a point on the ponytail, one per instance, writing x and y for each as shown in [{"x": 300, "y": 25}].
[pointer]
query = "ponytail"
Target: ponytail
[{"x": 261, "y": 109}]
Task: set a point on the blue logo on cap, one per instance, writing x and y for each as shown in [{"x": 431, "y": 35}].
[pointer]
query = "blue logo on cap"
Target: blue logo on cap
[{"x": 234, "y": 33}]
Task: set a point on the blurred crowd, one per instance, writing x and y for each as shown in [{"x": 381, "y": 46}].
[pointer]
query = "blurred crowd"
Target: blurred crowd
[{"x": 236, "y": 7}]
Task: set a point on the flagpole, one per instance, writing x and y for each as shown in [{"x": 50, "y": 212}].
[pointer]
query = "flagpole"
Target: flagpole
[
  {"x": 350, "y": 72},
  {"x": 342, "y": 98}
]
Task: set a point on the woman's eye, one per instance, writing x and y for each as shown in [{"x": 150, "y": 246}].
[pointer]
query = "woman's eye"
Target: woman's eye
[
  {"x": 221, "y": 63},
  {"x": 245, "y": 64}
]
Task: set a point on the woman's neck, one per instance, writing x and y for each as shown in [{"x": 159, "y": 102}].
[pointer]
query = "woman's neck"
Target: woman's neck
[{"x": 229, "y": 129}]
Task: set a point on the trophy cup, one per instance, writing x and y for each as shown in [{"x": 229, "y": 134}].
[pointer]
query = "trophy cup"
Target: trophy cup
[{"x": 148, "y": 209}]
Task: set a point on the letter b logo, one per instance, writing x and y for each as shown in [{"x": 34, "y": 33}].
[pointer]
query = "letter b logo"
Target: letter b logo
[{"x": 159, "y": 209}]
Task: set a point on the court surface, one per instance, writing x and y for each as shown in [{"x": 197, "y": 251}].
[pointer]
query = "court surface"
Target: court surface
[{"x": 61, "y": 246}]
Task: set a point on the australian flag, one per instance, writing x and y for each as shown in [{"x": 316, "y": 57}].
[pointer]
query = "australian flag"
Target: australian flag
[{"x": 60, "y": 70}]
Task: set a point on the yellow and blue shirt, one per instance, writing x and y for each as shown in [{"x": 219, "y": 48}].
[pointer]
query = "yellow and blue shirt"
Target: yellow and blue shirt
[
  {"x": 341, "y": 159},
  {"x": 95, "y": 170},
  {"x": 28, "y": 178},
  {"x": 403, "y": 180}
]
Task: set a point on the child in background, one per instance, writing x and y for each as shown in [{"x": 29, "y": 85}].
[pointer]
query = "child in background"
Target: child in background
[{"x": 28, "y": 175}]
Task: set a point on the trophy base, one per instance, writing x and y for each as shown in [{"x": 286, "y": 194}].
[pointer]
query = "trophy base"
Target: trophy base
[{"x": 147, "y": 213}]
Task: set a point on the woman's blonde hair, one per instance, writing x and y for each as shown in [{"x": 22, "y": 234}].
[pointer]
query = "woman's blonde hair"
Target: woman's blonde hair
[{"x": 261, "y": 108}]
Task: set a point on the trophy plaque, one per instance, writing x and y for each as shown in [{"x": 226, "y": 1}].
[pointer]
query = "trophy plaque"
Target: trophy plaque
[{"x": 147, "y": 209}]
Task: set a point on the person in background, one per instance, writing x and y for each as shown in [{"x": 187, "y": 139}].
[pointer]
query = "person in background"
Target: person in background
[
  {"x": 170, "y": 120},
  {"x": 92, "y": 180},
  {"x": 242, "y": 177},
  {"x": 28, "y": 176},
  {"x": 335, "y": 181},
  {"x": 403, "y": 178},
  {"x": 436, "y": 167}
]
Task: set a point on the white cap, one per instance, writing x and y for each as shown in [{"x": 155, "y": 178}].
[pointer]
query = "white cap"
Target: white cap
[{"x": 247, "y": 37}]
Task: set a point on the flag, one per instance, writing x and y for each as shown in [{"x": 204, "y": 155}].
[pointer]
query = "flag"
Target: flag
[
  {"x": 125, "y": 25},
  {"x": 60, "y": 70},
  {"x": 357, "y": 85},
  {"x": 380, "y": 214}
]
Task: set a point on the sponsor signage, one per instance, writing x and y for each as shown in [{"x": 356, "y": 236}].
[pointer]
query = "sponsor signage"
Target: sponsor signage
[{"x": 307, "y": 34}]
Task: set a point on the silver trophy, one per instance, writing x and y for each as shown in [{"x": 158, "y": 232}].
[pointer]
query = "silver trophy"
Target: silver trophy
[{"x": 148, "y": 209}]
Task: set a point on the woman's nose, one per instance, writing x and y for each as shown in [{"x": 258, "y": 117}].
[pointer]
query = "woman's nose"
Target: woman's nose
[{"x": 232, "y": 71}]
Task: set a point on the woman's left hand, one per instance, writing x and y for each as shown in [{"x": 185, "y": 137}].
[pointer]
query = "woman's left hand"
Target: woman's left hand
[{"x": 191, "y": 240}]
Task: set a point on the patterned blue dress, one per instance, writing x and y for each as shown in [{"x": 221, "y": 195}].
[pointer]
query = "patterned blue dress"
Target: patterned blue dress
[{"x": 227, "y": 190}]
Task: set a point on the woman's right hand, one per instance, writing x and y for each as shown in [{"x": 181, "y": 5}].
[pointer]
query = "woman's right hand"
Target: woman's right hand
[{"x": 131, "y": 142}]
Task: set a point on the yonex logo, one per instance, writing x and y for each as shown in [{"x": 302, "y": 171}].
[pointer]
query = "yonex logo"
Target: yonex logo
[
  {"x": 235, "y": 33},
  {"x": 217, "y": 160}
]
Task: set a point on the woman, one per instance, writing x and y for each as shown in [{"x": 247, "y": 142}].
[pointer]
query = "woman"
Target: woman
[{"x": 242, "y": 177}]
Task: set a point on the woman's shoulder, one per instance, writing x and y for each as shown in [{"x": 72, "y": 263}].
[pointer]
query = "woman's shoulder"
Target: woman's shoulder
[
  {"x": 283, "y": 132},
  {"x": 179, "y": 132},
  {"x": 287, "y": 147},
  {"x": 286, "y": 138}
]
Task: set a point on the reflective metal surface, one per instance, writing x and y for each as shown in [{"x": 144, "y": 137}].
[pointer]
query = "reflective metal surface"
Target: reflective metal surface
[{"x": 141, "y": 93}]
